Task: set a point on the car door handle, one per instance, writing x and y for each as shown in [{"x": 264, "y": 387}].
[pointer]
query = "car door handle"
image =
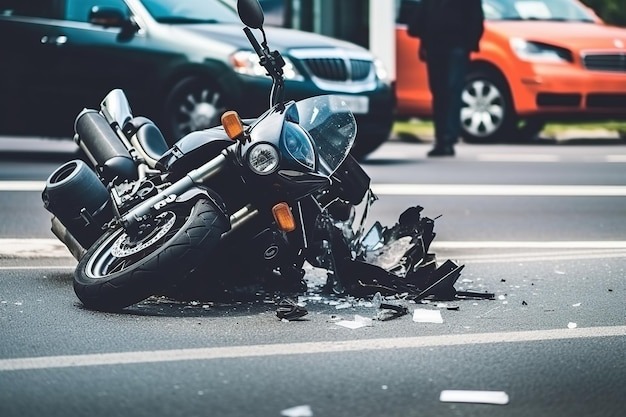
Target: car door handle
[{"x": 54, "y": 40}]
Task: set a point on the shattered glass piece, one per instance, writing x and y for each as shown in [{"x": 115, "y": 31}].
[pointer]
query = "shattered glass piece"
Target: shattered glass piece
[
  {"x": 477, "y": 397},
  {"x": 571, "y": 325},
  {"x": 289, "y": 310},
  {"x": 298, "y": 411},
  {"x": 392, "y": 255},
  {"x": 373, "y": 239},
  {"x": 377, "y": 300},
  {"x": 422, "y": 315},
  {"x": 357, "y": 323}
]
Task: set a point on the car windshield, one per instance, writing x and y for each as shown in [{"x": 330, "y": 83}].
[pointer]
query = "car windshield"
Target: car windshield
[
  {"x": 192, "y": 11},
  {"x": 551, "y": 10}
]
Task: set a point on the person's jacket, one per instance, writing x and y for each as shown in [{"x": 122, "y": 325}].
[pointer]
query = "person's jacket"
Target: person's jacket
[{"x": 448, "y": 23}]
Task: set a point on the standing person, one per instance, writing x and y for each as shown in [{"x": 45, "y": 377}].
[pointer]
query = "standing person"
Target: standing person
[{"x": 449, "y": 30}]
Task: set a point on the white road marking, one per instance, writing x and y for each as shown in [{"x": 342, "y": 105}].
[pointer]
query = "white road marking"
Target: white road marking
[
  {"x": 501, "y": 190},
  {"x": 616, "y": 158},
  {"x": 52, "y": 248},
  {"x": 557, "y": 244},
  {"x": 307, "y": 348},
  {"x": 538, "y": 257},
  {"x": 511, "y": 157},
  {"x": 437, "y": 189}
]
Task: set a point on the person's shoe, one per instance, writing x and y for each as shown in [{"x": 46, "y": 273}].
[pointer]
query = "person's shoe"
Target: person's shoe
[{"x": 446, "y": 150}]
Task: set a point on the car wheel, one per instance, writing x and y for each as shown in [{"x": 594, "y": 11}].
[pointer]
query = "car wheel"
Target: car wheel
[
  {"x": 194, "y": 103},
  {"x": 487, "y": 114}
]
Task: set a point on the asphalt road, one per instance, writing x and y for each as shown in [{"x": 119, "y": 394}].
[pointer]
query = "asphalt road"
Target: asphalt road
[{"x": 540, "y": 225}]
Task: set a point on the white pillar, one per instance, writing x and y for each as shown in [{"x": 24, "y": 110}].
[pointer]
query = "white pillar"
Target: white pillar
[{"x": 382, "y": 33}]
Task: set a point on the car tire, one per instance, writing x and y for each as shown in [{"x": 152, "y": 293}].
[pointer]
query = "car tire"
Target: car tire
[
  {"x": 528, "y": 129},
  {"x": 487, "y": 114},
  {"x": 117, "y": 272},
  {"x": 194, "y": 103}
]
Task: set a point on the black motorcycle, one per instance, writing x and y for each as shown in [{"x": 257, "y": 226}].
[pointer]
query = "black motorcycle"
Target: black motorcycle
[{"x": 250, "y": 199}]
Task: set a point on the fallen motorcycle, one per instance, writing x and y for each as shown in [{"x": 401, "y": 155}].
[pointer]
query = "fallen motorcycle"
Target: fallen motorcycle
[{"x": 250, "y": 199}]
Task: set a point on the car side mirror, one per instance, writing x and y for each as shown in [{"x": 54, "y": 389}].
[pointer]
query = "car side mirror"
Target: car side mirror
[
  {"x": 109, "y": 17},
  {"x": 250, "y": 13}
]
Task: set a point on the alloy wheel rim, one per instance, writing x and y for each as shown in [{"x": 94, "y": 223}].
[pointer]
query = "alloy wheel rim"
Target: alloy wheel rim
[
  {"x": 198, "y": 110},
  {"x": 483, "y": 108}
]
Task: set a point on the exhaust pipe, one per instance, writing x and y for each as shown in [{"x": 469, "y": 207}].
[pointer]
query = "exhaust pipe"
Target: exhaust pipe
[
  {"x": 103, "y": 147},
  {"x": 75, "y": 195},
  {"x": 61, "y": 232}
]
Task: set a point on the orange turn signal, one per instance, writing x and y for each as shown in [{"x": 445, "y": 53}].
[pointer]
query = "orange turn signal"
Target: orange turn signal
[
  {"x": 284, "y": 217},
  {"x": 232, "y": 124}
]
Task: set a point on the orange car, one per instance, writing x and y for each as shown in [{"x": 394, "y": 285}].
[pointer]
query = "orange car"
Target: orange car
[{"x": 539, "y": 61}]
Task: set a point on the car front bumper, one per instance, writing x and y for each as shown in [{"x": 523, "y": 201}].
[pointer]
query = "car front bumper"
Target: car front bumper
[{"x": 564, "y": 91}]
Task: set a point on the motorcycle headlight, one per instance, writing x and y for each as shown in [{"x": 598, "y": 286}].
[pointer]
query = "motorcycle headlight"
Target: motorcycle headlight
[
  {"x": 298, "y": 144},
  {"x": 263, "y": 159},
  {"x": 247, "y": 62},
  {"x": 539, "y": 52}
]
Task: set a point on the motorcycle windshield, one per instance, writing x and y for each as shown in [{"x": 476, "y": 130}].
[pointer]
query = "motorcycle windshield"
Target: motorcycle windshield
[{"x": 332, "y": 127}]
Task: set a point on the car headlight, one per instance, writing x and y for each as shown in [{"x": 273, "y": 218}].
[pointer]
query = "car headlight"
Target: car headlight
[
  {"x": 247, "y": 62},
  {"x": 381, "y": 71},
  {"x": 263, "y": 158},
  {"x": 539, "y": 52}
]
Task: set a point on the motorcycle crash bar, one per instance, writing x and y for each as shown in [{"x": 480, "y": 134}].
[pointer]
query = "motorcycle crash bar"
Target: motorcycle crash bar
[
  {"x": 232, "y": 124},
  {"x": 284, "y": 218}
]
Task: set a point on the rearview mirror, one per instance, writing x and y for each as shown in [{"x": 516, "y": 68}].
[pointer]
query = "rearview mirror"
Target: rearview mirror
[
  {"x": 250, "y": 13},
  {"x": 107, "y": 17}
]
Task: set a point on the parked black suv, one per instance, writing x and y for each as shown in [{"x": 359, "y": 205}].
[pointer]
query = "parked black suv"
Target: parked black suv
[{"x": 181, "y": 63}]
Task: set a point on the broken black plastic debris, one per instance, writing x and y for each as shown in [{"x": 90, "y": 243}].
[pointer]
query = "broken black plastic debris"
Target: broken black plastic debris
[
  {"x": 290, "y": 310},
  {"x": 388, "y": 311},
  {"x": 391, "y": 311}
]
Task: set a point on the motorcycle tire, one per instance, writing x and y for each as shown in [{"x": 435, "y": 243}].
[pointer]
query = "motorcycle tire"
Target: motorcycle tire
[{"x": 117, "y": 272}]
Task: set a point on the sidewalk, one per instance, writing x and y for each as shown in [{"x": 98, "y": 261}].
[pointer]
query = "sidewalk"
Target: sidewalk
[{"x": 566, "y": 135}]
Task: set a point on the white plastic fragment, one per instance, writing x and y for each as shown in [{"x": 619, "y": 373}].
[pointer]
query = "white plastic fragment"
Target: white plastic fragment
[
  {"x": 576, "y": 305},
  {"x": 298, "y": 411},
  {"x": 477, "y": 397},
  {"x": 422, "y": 315},
  {"x": 571, "y": 325},
  {"x": 357, "y": 323}
]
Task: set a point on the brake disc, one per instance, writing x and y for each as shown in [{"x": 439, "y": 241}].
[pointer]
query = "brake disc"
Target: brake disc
[{"x": 124, "y": 246}]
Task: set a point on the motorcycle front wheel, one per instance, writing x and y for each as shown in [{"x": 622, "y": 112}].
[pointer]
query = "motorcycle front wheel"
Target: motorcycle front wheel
[{"x": 118, "y": 271}]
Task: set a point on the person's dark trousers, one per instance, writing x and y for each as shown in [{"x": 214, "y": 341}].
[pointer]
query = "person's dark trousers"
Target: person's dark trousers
[{"x": 446, "y": 77}]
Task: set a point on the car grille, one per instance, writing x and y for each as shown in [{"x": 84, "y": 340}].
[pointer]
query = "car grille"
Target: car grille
[
  {"x": 338, "y": 69},
  {"x": 605, "y": 62}
]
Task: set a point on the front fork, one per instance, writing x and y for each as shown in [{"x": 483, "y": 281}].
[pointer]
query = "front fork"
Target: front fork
[{"x": 131, "y": 219}]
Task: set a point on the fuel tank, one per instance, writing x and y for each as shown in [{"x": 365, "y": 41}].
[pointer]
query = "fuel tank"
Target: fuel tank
[{"x": 193, "y": 150}]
